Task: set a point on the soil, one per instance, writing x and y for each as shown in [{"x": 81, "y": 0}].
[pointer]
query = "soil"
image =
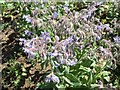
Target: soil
[{"x": 10, "y": 49}]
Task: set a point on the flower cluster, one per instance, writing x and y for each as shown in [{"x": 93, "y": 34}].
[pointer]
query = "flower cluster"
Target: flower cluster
[
  {"x": 36, "y": 45},
  {"x": 33, "y": 21},
  {"x": 117, "y": 39},
  {"x": 63, "y": 51},
  {"x": 52, "y": 78},
  {"x": 90, "y": 10},
  {"x": 28, "y": 33}
]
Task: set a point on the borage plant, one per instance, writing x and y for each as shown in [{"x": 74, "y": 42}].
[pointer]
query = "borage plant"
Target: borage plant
[{"x": 74, "y": 45}]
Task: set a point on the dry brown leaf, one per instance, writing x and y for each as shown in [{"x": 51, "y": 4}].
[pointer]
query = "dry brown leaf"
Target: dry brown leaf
[
  {"x": 38, "y": 66},
  {"x": 27, "y": 65},
  {"x": 32, "y": 70},
  {"x": 27, "y": 84}
]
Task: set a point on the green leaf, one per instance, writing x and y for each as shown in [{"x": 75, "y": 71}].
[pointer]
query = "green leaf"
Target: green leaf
[
  {"x": 40, "y": 85},
  {"x": 67, "y": 69},
  {"x": 94, "y": 85},
  {"x": 85, "y": 69},
  {"x": 87, "y": 63},
  {"x": 60, "y": 86},
  {"x": 24, "y": 74},
  {"x": 2, "y": 1},
  {"x": 90, "y": 78},
  {"x": 104, "y": 73},
  {"x": 107, "y": 78},
  {"x": 67, "y": 80},
  {"x": 93, "y": 64},
  {"x": 72, "y": 77},
  {"x": 23, "y": 69}
]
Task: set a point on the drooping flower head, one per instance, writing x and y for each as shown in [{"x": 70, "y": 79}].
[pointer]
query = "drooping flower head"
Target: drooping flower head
[
  {"x": 27, "y": 18},
  {"x": 55, "y": 15},
  {"x": 117, "y": 39},
  {"x": 45, "y": 36},
  {"x": 28, "y": 33},
  {"x": 66, "y": 9},
  {"x": 52, "y": 78}
]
